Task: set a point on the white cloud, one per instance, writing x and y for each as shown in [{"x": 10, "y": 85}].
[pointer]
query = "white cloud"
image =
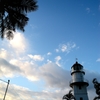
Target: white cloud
[
  {"x": 5, "y": 54},
  {"x": 88, "y": 10},
  {"x": 18, "y": 43},
  {"x": 49, "y": 53},
  {"x": 36, "y": 57},
  {"x": 14, "y": 48},
  {"x": 55, "y": 78},
  {"x": 51, "y": 73},
  {"x": 28, "y": 70},
  {"x": 22, "y": 93},
  {"x": 7, "y": 69},
  {"x": 98, "y": 60},
  {"x": 57, "y": 50},
  {"x": 49, "y": 61},
  {"x": 74, "y": 45},
  {"x": 66, "y": 47},
  {"x": 58, "y": 58}
]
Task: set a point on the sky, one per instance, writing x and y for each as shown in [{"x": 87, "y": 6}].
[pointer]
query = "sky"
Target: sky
[{"x": 38, "y": 61}]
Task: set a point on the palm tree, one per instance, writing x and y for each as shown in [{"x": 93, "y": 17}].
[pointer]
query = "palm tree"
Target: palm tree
[
  {"x": 13, "y": 15},
  {"x": 97, "y": 88},
  {"x": 69, "y": 96}
]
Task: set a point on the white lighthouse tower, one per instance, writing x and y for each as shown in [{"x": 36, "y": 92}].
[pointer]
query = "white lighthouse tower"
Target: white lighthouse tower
[{"x": 78, "y": 83}]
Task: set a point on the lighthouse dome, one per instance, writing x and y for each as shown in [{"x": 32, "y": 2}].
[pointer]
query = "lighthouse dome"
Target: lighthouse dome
[{"x": 77, "y": 67}]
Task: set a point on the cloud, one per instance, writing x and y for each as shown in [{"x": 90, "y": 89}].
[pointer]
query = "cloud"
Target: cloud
[
  {"x": 13, "y": 64},
  {"x": 57, "y": 50},
  {"x": 66, "y": 47},
  {"x": 55, "y": 79},
  {"x": 58, "y": 58},
  {"x": 5, "y": 54},
  {"x": 22, "y": 93},
  {"x": 49, "y": 53},
  {"x": 14, "y": 49},
  {"x": 88, "y": 10},
  {"x": 36, "y": 57},
  {"x": 98, "y": 60},
  {"x": 49, "y": 61},
  {"x": 55, "y": 76},
  {"x": 52, "y": 75},
  {"x": 7, "y": 69},
  {"x": 18, "y": 43},
  {"x": 28, "y": 70}
]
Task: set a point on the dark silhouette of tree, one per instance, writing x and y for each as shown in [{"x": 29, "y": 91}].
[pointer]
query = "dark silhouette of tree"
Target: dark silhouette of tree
[
  {"x": 13, "y": 15},
  {"x": 97, "y": 88},
  {"x": 69, "y": 96}
]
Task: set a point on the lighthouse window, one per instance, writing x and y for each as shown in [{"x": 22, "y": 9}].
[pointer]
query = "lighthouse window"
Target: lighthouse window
[{"x": 81, "y": 98}]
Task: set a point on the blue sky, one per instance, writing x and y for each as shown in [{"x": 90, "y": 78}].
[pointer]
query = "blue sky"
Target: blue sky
[{"x": 38, "y": 61}]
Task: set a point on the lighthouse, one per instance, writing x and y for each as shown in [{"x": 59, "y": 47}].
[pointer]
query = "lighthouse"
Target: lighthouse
[{"x": 78, "y": 83}]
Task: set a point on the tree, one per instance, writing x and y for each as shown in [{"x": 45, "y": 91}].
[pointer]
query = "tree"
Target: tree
[
  {"x": 69, "y": 96},
  {"x": 13, "y": 15},
  {"x": 97, "y": 88}
]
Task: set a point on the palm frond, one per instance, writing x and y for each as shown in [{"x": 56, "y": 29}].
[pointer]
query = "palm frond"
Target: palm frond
[{"x": 13, "y": 15}]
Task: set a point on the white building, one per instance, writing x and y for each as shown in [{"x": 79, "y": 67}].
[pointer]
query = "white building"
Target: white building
[{"x": 78, "y": 83}]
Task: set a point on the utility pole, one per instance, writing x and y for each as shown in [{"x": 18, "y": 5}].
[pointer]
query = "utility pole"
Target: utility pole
[{"x": 6, "y": 88}]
